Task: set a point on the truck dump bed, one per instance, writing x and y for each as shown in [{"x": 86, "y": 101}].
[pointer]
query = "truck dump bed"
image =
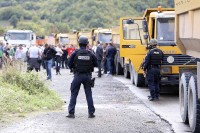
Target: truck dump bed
[{"x": 187, "y": 26}]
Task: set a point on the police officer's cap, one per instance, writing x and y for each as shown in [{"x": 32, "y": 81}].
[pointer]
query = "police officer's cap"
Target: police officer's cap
[
  {"x": 153, "y": 42},
  {"x": 83, "y": 40}
]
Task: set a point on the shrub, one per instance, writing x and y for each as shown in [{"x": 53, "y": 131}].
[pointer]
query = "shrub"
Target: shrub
[{"x": 22, "y": 92}]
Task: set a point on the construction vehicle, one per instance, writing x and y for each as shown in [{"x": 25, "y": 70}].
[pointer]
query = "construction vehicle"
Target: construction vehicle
[
  {"x": 135, "y": 34},
  {"x": 61, "y": 38},
  {"x": 73, "y": 38},
  {"x": 98, "y": 35},
  {"x": 188, "y": 40},
  {"x": 121, "y": 63},
  {"x": 101, "y": 35},
  {"x": 17, "y": 37},
  {"x": 41, "y": 40}
]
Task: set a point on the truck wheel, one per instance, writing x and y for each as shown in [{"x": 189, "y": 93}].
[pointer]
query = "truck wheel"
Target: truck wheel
[
  {"x": 139, "y": 79},
  {"x": 131, "y": 73},
  {"x": 192, "y": 104},
  {"x": 119, "y": 69},
  {"x": 126, "y": 72},
  {"x": 183, "y": 96}
]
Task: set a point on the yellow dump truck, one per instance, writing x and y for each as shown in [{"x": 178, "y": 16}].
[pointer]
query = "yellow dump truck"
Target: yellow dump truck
[
  {"x": 61, "y": 38},
  {"x": 121, "y": 63},
  {"x": 95, "y": 35},
  {"x": 188, "y": 40},
  {"x": 101, "y": 35},
  {"x": 73, "y": 38},
  {"x": 135, "y": 34}
]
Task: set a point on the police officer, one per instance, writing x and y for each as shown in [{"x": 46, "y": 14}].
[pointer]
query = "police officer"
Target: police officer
[
  {"x": 82, "y": 62},
  {"x": 153, "y": 61}
]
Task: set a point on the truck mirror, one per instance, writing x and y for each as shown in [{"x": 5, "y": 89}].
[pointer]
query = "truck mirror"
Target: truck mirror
[
  {"x": 32, "y": 37},
  {"x": 6, "y": 37},
  {"x": 130, "y": 21},
  {"x": 144, "y": 26},
  {"x": 146, "y": 36},
  {"x": 94, "y": 38}
]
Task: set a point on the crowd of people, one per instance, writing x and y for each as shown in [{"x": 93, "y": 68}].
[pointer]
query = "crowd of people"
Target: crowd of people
[
  {"x": 105, "y": 53},
  {"x": 56, "y": 56}
]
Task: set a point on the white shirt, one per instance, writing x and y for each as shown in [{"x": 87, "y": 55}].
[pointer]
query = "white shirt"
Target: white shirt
[
  {"x": 34, "y": 52},
  {"x": 19, "y": 53},
  {"x": 59, "y": 51}
]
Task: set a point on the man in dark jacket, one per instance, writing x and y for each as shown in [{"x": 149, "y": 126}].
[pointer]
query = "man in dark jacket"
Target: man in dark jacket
[
  {"x": 152, "y": 64},
  {"x": 83, "y": 63},
  {"x": 99, "y": 55},
  {"x": 48, "y": 55},
  {"x": 110, "y": 56}
]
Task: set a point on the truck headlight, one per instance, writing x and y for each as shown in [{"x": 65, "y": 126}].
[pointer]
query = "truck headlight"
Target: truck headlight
[
  {"x": 170, "y": 59},
  {"x": 166, "y": 70}
]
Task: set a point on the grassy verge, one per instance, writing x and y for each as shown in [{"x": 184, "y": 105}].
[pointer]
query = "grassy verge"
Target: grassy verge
[{"x": 22, "y": 92}]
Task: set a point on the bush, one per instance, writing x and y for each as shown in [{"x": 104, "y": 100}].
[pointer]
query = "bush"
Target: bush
[{"x": 22, "y": 92}]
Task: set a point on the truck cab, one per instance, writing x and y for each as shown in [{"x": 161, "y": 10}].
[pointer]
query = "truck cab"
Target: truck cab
[
  {"x": 17, "y": 37},
  {"x": 62, "y": 38},
  {"x": 135, "y": 34}
]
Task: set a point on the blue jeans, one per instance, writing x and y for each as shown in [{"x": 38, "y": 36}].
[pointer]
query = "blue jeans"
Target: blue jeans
[
  {"x": 110, "y": 63},
  {"x": 79, "y": 79},
  {"x": 48, "y": 65}
]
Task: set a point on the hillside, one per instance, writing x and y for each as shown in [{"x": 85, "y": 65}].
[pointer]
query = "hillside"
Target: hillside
[{"x": 49, "y": 16}]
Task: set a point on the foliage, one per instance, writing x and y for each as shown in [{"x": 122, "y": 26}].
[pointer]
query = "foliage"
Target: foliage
[
  {"x": 45, "y": 17},
  {"x": 13, "y": 21},
  {"x": 25, "y": 92}
]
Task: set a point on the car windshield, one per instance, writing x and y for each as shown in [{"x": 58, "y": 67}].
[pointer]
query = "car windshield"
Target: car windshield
[
  {"x": 64, "y": 40},
  {"x": 165, "y": 29},
  {"x": 18, "y": 36},
  {"x": 105, "y": 37}
]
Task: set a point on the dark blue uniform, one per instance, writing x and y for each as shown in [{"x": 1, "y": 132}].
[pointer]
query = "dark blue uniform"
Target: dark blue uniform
[
  {"x": 152, "y": 65},
  {"x": 83, "y": 63}
]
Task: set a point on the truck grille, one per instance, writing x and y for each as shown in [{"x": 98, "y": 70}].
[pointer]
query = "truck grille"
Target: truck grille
[{"x": 178, "y": 59}]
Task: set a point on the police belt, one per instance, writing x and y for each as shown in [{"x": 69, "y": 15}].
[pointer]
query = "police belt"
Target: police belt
[
  {"x": 82, "y": 72},
  {"x": 154, "y": 66}
]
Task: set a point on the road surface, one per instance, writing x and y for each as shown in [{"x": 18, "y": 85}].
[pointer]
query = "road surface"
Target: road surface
[{"x": 118, "y": 110}]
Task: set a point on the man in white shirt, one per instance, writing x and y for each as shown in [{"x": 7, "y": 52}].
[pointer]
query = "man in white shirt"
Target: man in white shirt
[
  {"x": 34, "y": 53},
  {"x": 58, "y": 58}
]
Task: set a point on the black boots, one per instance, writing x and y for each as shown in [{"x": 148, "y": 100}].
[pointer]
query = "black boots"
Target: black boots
[
  {"x": 91, "y": 115},
  {"x": 70, "y": 116}
]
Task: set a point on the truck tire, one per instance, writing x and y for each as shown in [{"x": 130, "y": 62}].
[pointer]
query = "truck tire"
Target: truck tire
[
  {"x": 198, "y": 117},
  {"x": 126, "y": 72},
  {"x": 183, "y": 96},
  {"x": 119, "y": 69},
  {"x": 192, "y": 104},
  {"x": 139, "y": 79},
  {"x": 131, "y": 73}
]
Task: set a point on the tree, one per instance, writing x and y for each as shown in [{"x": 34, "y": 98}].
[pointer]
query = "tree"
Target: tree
[{"x": 13, "y": 21}]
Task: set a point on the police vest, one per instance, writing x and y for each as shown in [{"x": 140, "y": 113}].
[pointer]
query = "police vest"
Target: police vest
[
  {"x": 156, "y": 56},
  {"x": 83, "y": 62}
]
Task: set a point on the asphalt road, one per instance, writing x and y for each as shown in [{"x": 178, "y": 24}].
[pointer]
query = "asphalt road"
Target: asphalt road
[
  {"x": 167, "y": 107},
  {"x": 118, "y": 110}
]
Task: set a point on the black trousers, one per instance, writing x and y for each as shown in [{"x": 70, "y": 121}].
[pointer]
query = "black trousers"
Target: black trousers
[
  {"x": 153, "y": 78},
  {"x": 99, "y": 68},
  {"x": 85, "y": 79}
]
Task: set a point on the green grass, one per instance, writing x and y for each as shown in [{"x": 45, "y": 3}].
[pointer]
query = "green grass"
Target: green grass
[{"x": 22, "y": 92}]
